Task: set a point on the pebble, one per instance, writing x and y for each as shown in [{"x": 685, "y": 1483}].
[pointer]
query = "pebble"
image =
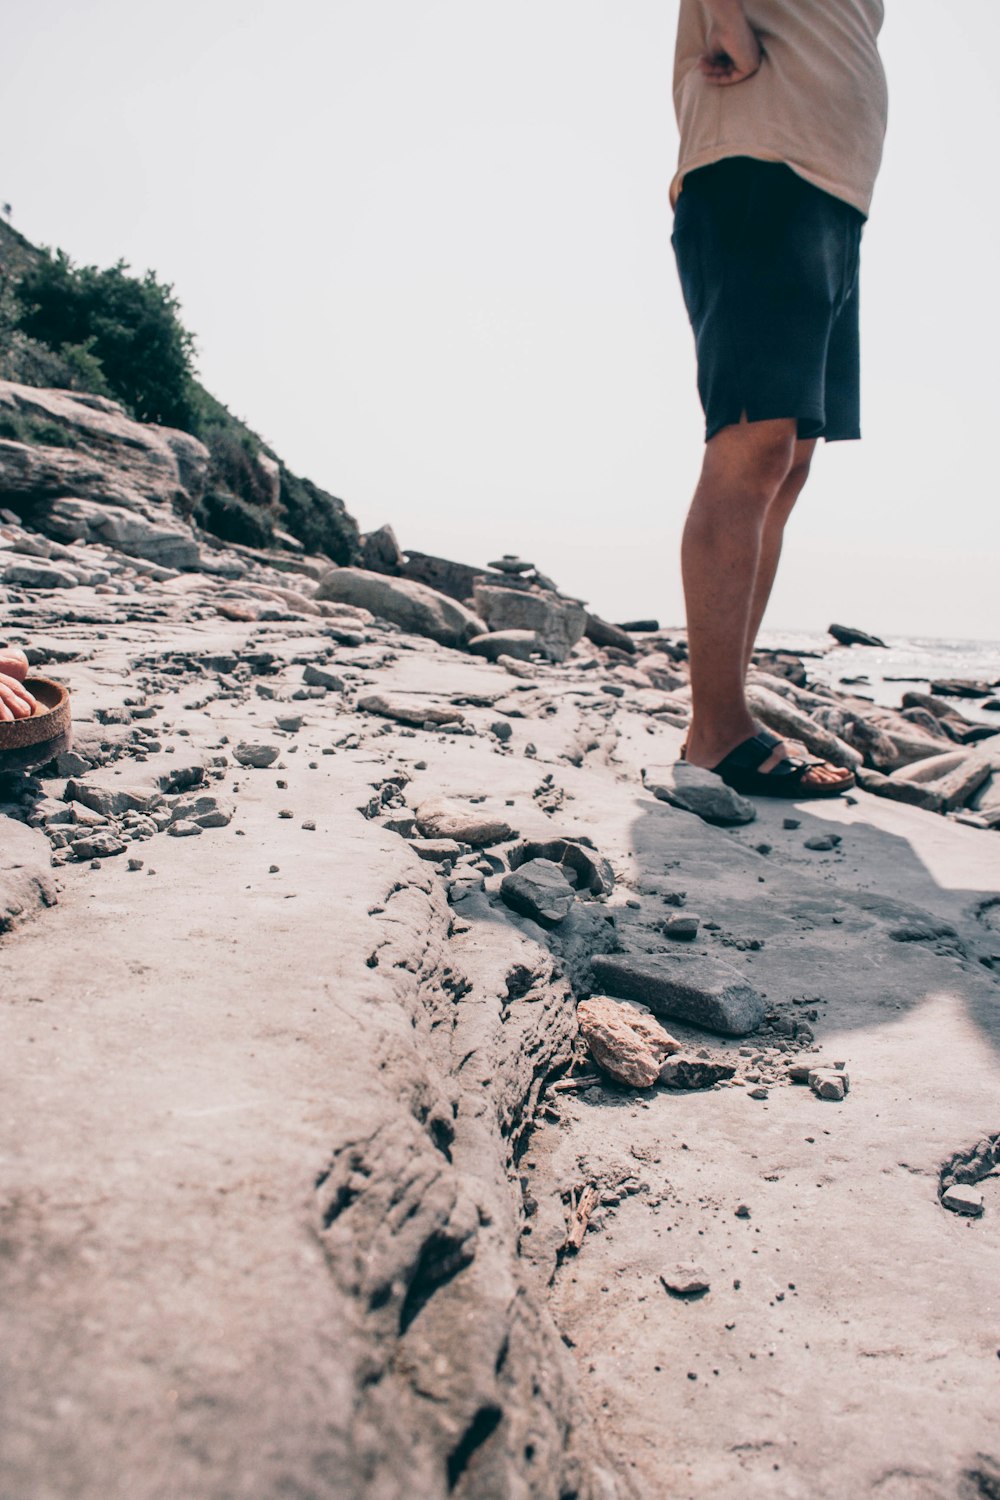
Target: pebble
[
  {"x": 791, "y": 823},
  {"x": 185, "y": 828},
  {"x": 135, "y": 864},
  {"x": 256, "y": 755},
  {"x": 685, "y": 1281},
  {"x": 286, "y": 812},
  {"x": 829, "y": 1083},
  {"x": 823, "y": 841},
  {"x": 309, "y": 825}
]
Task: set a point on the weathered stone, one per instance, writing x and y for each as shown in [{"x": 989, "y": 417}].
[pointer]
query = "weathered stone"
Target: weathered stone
[
  {"x": 640, "y": 627},
  {"x": 314, "y": 676},
  {"x": 162, "y": 540},
  {"x": 782, "y": 717},
  {"x": 931, "y": 767},
  {"x": 184, "y": 828},
  {"x": 520, "y": 644},
  {"x": 558, "y": 622},
  {"x": 380, "y": 551},
  {"x": 604, "y": 634},
  {"x": 847, "y": 635},
  {"x": 97, "y": 845},
  {"x": 112, "y": 800},
  {"x": 455, "y": 579},
  {"x": 829, "y": 1083},
  {"x": 698, "y": 791},
  {"x": 409, "y": 708},
  {"x": 704, "y": 991},
  {"x": 37, "y": 575},
  {"x": 25, "y": 876},
  {"x": 682, "y": 929},
  {"x": 660, "y": 670},
  {"x": 207, "y": 811},
  {"x": 960, "y": 687},
  {"x": 511, "y": 563},
  {"x": 413, "y": 606},
  {"x": 250, "y": 753},
  {"x": 447, "y": 818},
  {"x": 514, "y": 667},
  {"x": 437, "y": 850},
  {"x": 685, "y": 1281},
  {"x": 622, "y": 1041},
  {"x": 538, "y": 889},
  {"x": 590, "y": 872},
  {"x": 963, "y": 1199},
  {"x": 959, "y": 785},
  {"x": 823, "y": 841},
  {"x": 684, "y": 1072}
]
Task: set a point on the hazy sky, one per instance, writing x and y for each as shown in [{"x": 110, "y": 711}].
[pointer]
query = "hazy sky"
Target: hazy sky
[{"x": 424, "y": 245}]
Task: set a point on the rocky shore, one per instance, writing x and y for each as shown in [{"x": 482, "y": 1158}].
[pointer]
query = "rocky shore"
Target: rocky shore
[{"x": 419, "y": 1082}]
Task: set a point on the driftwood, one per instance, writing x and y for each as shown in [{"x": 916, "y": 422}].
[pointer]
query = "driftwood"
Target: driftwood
[{"x": 579, "y": 1218}]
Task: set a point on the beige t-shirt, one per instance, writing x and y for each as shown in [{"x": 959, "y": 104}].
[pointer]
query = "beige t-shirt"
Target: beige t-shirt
[{"x": 818, "y": 101}]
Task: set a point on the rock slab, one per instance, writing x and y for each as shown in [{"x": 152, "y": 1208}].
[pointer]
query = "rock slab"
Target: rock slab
[
  {"x": 698, "y": 791},
  {"x": 624, "y": 1042},
  {"x": 703, "y": 991}
]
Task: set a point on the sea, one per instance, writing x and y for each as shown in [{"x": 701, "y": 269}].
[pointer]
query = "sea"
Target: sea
[{"x": 883, "y": 674}]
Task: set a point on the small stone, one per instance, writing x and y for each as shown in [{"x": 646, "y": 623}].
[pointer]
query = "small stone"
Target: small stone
[
  {"x": 685, "y": 1281},
  {"x": 791, "y": 823},
  {"x": 314, "y": 676},
  {"x": 827, "y": 1083},
  {"x": 256, "y": 755},
  {"x": 684, "y": 1072},
  {"x": 449, "y": 818},
  {"x": 538, "y": 889},
  {"x": 185, "y": 828},
  {"x": 823, "y": 841},
  {"x": 286, "y": 812},
  {"x": 135, "y": 864},
  {"x": 763, "y": 848},
  {"x": 437, "y": 850},
  {"x": 98, "y": 845},
  {"x": 309, "y": 825},
  {"x": 501, "y": 729},
  {"x": 273, "y": 869},
  {"x": 683, "y": 929},
  {"x": 757, "y": 1093},
  {"x": 743, "y": 1211},
  {"x": 291, "y": 723},
  {"x": 962, "y": 1199},
  {"x": 698, "y": 791}
]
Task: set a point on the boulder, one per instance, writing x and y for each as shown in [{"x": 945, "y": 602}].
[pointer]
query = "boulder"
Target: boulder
[
  {"x": 558, "y": 622},
  {"x": 538, "y": 889},
  {"x": 380, "y": 551},
  {"x": 37, "y": 575},
  {"x": 623, "y": 1042},
  {"x": 847, "y": 635},
  {"x": 698, "y": 791},
  {"x": 409, "y": 708},
  {"x": 412, "y": 606},
  {"x": 455, "y": 579},
  {"x": 703, "y": 991}
]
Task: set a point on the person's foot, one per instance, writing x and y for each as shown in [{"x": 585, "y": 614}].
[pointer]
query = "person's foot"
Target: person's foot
[
  {"x": 821, "y": 773},
  {"x": 15, "y": 700}
]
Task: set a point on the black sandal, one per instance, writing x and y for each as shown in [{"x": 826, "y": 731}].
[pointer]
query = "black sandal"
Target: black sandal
[{"x": 740, "y": 770}]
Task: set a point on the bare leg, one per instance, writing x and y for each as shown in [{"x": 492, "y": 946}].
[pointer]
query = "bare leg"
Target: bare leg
[
  {"x": 771, "y": 537},
  {"x": 744, "y": 468},
  {"x": 752, "y": 475}
]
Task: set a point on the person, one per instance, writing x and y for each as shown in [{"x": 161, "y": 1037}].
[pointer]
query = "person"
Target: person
[
  {"x": 15, "y": 700},
  {"x": 782, "y": 111}
]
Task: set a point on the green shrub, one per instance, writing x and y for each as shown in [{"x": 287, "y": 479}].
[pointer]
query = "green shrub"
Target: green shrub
[
  {"x": 319, "y": 520},
  {"x": 128, "y": 325},
  {"x": 25, "y": 427},
  {"x": 230, "y": 518},
  {"x": 235, "y": 467}
]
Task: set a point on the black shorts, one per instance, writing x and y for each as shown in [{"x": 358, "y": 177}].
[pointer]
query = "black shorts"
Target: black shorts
[{"x": 769, "y": 271}]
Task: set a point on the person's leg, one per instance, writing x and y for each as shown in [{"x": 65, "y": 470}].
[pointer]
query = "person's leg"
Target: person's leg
[
  {"x": 771, "y": 537},
  {"x": 745, "y": 467}
]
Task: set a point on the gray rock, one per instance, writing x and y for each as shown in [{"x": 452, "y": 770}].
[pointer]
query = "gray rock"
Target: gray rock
[
  {"x": 682, "y": 1072},
  {"x": 256, "y": 755},
  {"x": 520, "y": 644},
  {"x": 538, "y": 889},
  {"x": 448, "y": 818},
  {"x": 38, "y": 575},
  {"x": 409, "y": 708},
  {"x": 314, "y": 676},
  {"x": 162, "y": 540},
  {"x": 847, "y": 635},
  {"x": 704, "y": 991},
  {"x": 111, "y": 800},
  {"x": 685, "y": 1281},
  {"x": 184, "y": 828},
  {"x": 559, "y": 623},
  {"x": 455, "y": 579},
  {"x": 437, "y": 850},
  {"x": 413, "y": 606},
  {"x": 829, "y": 1083},
  {"x": 698, "y": 791},
  {"x": 207, "y": 811},
  {"x": 589, "y": 870},
  {"x": 98, "y": 845},
  {"x": 380, "y": 551},
  {"x": 604, "y": 634},
  {"x": 963, "y": 1199},
  {"x": 823, "y": 841},
  {"x": 511, "y": 563}
]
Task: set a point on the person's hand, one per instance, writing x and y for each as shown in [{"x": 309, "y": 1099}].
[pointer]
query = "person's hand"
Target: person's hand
[
  {"x": 732, "y": 49},
  {"x": 15, "y": 700}
]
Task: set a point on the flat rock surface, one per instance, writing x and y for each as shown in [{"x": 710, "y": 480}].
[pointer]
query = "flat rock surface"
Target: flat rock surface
[{"x": 295, "y": 1122}]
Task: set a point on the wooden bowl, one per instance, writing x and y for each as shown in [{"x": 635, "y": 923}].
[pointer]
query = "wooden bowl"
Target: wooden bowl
[{"x": 50, "y": 719}]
